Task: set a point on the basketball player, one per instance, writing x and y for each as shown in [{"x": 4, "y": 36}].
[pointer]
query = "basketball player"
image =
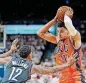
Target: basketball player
[
  {"x": 68, "y": 42},
  {"x": 19, "y": 68}
]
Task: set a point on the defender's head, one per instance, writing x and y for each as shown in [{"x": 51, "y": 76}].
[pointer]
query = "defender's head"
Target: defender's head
[{"x": 25, "y": 52}]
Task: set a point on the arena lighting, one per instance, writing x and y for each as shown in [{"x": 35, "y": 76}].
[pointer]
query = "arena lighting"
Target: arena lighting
[
  {"x": 25, "y": 29},
  {"x": 82, "y": 26},
  {"x": 67, "y": 1}
]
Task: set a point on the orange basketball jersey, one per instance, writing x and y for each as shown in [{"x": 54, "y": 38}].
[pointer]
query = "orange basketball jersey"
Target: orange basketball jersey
[{"x": 72, "y": 74}]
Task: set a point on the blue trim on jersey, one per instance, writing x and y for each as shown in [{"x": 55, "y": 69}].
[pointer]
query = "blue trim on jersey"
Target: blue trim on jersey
[{"x": 77, "y": 64}]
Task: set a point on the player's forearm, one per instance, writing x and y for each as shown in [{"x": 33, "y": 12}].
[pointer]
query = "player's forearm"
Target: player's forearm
[
  {"x": 46, "y": 27},
  {"x": 60, "y": 67},
  {"x": 41, "y": 70},
  {"x": 6, "y": 54},
  {"x": 48, "y": 70},
  {"x": 51, "y": 70},
  {"x": 69, "y": 25}
]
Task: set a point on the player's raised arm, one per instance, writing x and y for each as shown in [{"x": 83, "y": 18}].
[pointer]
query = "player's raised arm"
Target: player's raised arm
[
  {"x": 4, "y": 58},
  {"x": 13, "y": 48},
  {"x": 72, "y": 31},
  {"x": 43, "y": 32}
]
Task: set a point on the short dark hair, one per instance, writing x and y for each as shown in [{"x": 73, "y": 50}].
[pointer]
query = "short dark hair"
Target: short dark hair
[
  {"x": 24, "y": 51},
  {"x": 61, "y": 24}
]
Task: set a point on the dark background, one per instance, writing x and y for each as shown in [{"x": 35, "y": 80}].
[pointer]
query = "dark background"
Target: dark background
[
  {"x": 41, "y": 11},
  {"x": 11, "y": 10}
]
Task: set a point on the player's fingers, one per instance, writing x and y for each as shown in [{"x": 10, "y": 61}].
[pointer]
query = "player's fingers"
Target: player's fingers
[
  {"x": 15, "y": 41},
  {"x": 67, "y": 58},
  {"x": 75, "y": 55},
  {"x": 74, "y": 59},
  {"x": 18, "y": 46},
  {"x": 71, "y": 57}
]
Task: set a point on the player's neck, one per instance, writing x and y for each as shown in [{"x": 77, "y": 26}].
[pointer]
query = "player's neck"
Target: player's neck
[{"x": 27, "y": 59}]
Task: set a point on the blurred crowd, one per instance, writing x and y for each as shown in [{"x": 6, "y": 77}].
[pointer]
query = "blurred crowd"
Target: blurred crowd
[{"x": 37, "y": 44}]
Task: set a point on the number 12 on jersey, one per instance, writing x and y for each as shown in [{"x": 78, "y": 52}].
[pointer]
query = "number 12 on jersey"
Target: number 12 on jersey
[{"x": 15, "y": 73}]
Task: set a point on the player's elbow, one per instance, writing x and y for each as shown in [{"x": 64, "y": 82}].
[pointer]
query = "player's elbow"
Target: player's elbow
[{"x": 40, "y": 34}]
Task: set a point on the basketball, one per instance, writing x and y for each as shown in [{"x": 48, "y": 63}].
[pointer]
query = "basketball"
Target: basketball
[{"x": 61, "y": 12}]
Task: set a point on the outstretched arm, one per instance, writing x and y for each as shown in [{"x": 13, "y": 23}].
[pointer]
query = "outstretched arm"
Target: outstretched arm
[
  {"x": 5, "y": 60},
  {"x": 43, "y": 32},
  {"x": 47, "y": 70},
  {"x": 6, "y": 54},
  {"x": 50, "y": 70}
]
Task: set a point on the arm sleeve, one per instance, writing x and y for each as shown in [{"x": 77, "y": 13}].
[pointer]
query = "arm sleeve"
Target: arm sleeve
[{"x": 69, "y": 25}]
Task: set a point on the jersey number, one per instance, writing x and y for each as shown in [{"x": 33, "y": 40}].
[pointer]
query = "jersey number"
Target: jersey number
[
  {"x": 63, "y": 58},
  {"x": 63, "y": 48},
  {"x": 18, "y": 72}
]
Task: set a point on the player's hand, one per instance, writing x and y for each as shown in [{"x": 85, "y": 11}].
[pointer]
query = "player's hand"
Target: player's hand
[
  {"x": 69, "y": 13},
  {"x": 15, "y": 42},
  {"x": 72, "y": 59},
  {"x": 14, "y": 45},
  {"x": 58, "y": 19}
]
